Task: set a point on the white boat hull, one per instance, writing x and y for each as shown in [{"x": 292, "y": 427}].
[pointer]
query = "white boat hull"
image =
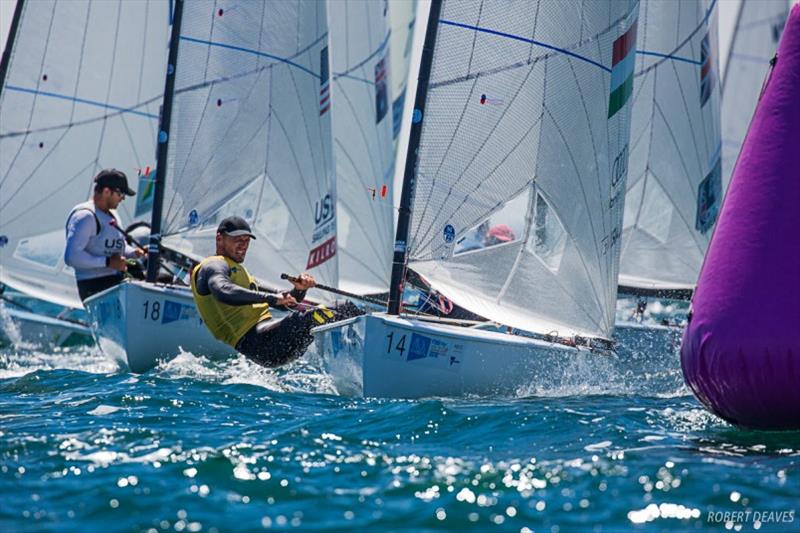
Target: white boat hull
[
  {"x": 139, "y": 324},
  {"x": 378, "y": 355},
  {"x": 43, "y": 330}
]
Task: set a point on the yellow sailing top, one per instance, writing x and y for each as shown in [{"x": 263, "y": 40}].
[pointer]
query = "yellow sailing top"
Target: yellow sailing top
[{"x": 229, "y": 323}]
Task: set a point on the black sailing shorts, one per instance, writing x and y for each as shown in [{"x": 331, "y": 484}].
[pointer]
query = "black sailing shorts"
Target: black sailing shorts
[
  {"x": 88, "y": 287},
  {"x": 271, "y": 343}
]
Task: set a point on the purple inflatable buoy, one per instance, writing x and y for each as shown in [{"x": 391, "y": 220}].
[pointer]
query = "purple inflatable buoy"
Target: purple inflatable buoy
[{"x": 741, "y": 350}]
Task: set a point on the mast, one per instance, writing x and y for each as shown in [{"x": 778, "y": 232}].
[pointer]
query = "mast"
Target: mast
[
  {"x": 407, "y": 195},
  {"x": 12, "y": 34},
  {"x": 153, "y": 253}
]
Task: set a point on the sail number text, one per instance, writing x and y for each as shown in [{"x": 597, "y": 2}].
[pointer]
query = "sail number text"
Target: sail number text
[
  {"x": 152, "y": 311},
  {"x": 399, "y": 347}
]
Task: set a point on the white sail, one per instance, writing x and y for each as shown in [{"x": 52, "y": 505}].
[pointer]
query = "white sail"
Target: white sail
[
  {"x": 250, "y": 135},
  {"x": 402, "y": 16},
  {"x": 82, "y": 93},
  {"x": 674, "y": 178},
  {"x": 362, "y": 142},
  {"x": 755, "y": 39},
  {"x": 520, "y": 178}
]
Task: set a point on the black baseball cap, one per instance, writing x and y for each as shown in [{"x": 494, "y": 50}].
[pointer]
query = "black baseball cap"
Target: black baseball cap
[
  {"x": 234, "y": 227},
  {"x": 114, "y": 179}
]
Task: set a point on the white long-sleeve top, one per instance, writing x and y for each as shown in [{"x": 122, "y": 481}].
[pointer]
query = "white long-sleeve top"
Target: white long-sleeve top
[{"x": 87, "y": 249}]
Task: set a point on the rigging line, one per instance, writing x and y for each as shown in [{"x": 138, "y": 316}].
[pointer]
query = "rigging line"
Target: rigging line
[
  {"x": 259, "y": 70},
  {"x": 649, "y": 147},
  {"x": 530, "y": 209},
  {"x": 668, "y": 56},
  {"x": 376, "y": 220},
  {"x": 251, "y": 51},
  {"x": 133, "y": 146},
  {"x": 30, "y": 208},
  {"x": 533, "y": 30},
  {"x": 142, "y": 53},
  {"x": 376, "y": 171},
  {"x": 666, "y": 192},
  {"x": 95, "y": 103},
  {"x": 752, "y": 59},
  {"x": 364, "y": 61},
  {"x": 379, "y": 218},
  {"x": 490, "y": 210},
  {"x": 591, "y": 137},
  {"x": 585, "y": 202},
  {"x": 695, "y": 144},
  {"x": 103, "y": 125},
  {"x": 474, "y": 38},
  {"x": 361, "y": 129},
  {"x": 489, "y": 72},
  {"x": 203, "y": 85},
  {"x": 318, "y": 122},
  {"x": 506, "y": 110},
  {"x": 366, "y": 266},
  {"x": 682, "y": 43},
  {"x": 456, "y": 129},
  {"x": 268, "y": 119},
  {"x": 778, "y": 17},
  {"x": 234, "y": 122},
  {"x": 61, "y": 138},
  {"x": 526, "y": 40},
  {"x": 166, "y": 221},
  {"x": 84, "y": 122},
  {"x": 579, "y": 300},
  {"x": 350, "y": 77},
  {"x": 38, "y": 83},
  {"x": 731, "y": 46},
  {"x": 309, "y": 202}
]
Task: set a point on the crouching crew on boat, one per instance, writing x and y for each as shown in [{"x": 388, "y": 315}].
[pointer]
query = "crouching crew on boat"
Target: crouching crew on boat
[
  {"x": 236, "y": 310},
  {"x": 96, "y": 247}
]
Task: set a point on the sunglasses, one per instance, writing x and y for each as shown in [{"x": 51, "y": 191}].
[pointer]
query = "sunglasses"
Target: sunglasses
[{"x": 119, "y": 192}]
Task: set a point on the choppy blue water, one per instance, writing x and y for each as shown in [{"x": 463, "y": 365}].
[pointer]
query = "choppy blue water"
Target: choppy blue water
[{"x": 201, "y": 446}]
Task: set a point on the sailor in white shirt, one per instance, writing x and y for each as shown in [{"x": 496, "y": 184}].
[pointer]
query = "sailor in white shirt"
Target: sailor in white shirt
[{"x": 96, "y": 246}]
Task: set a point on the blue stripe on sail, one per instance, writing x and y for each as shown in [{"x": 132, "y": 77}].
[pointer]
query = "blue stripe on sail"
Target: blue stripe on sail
[
  {"x": 667, "y": 56},
  {"x": 94, "y": 103},
  {"x": 251, "y": 51},
  {"x": 525, "y": 40},
  {"x": 623, "y": 70}
]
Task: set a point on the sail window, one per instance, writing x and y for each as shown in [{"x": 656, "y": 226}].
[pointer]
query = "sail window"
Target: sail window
[
  {"x": 502, "y": 227},
  {"x": 548, "y": 238},
  {"x": 44, "y": 250}
]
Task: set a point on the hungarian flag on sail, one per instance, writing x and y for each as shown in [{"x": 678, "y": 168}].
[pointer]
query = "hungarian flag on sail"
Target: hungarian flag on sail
[
  {"x": 706, "y": 72},
  {"x": 622, "y": 63},
  {"x": 324, "y": 83}
]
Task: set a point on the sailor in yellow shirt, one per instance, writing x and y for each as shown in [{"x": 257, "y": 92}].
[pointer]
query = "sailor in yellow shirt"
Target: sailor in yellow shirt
[{"x": 237, "y": 310}]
